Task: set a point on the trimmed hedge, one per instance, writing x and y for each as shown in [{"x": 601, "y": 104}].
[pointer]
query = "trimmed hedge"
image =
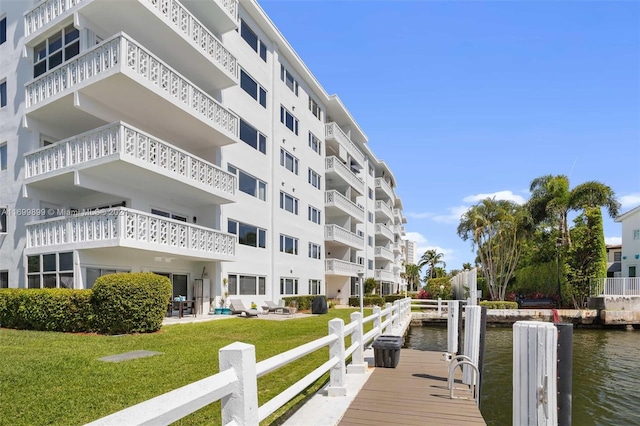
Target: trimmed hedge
[
  {"x": 49, "y": 309},
  {"x": 499, "y": 305},
  {"x": 367, "y": 301},
  {"x": 433, "y": 288},
  {"x": 392, "y": 298},
  {"x": 130, "y": 303},
  {"x": 303, "y": 302}
]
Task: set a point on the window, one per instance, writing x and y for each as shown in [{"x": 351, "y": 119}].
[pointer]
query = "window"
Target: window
[
  {"x": 370, "y": 193},
  {"x": 250, "y": 86},
  {"x": 53, "y": 270},
  {"x": 314, "y": 108},
  {"x": 252, "y": 137},
  {"x": 248, "y": 184},
  {"x": 3, "y": 94},
  {"x": 370, "y": 217},
  {"x": 315, "y": 251},
  {"x": 288, "y": 161},
  {"x": 288, "y": 203},
  {"x": 4, "y": 279},
  {"x": 288, "y": 79},
  {"x": 370, "y": 264},
  {"x": 162, "y": 213},
  {"x": 617, "y": 256},
  {"x": 314, "y": 179},
  {"x": 314, "y": 215},
  {"x": 3, "y": 156},
  {"x": 246, "y": 285},
  {"x": 252, "y": 39},
  {"x": 315, "y": 287},
  {"x": 94, "y": 273},
  {"x": 3, "y": 220},
  {"x": 288, "y": 120},
  {"x": 248, "y": 235},
  {"x": 288, "y": 286},
  {"x": 360, "y": 260},
  {"x": 370, "y": 170},
  {"x": 632, "y": 271},
  {"x": 636, "y": 234},
  {"x": 3, "y": 30},
  {"x": 360, "y": 234},
  {"x": 288, "y": 244},
  {"x": 370, "y": 241},
  {"x": 314, "y": 143},
  {"x": 58, "y": 48}
]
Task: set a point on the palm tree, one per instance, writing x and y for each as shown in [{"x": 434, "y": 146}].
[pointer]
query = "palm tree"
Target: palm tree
[
  {"x": 431, "y": 258},
  {"x": 466, "y": 266},
  {"x": 412, "y": 275}
]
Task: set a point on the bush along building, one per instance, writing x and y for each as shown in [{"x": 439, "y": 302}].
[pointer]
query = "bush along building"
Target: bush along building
[{"x": 185, "y": 138}]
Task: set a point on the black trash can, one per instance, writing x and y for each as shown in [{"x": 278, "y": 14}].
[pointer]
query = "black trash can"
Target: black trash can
[
  {"x": 386, "y": 351},
  {"x": 319, "y": 305}
]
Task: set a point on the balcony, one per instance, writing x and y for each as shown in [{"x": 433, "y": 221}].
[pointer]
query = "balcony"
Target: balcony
[
  {"x": 397, "y": 215},
  {"x": 337, "y": 204},
  {"x": 383, "y": 253},
  {"x": 337, "y": 174},
  {"x": 396, "y": 248},
  {"x": 384, "y": 190},
  {"x": 383, "y": 211},
  {"x": 384, "y": 231},
  {"x": 339, "y": 235},
  {"x": 165, "y": 27},
  {"x": 219, "y": 14},
  {"x": 383, "y": 275},
  {"x": 399, "y": 230},
  {"x": 120, "y": 79},
  {"x": 119, "y": 154},
  {"x": 126, "y": 228},
  {"x": 335, "y": 136},
  {"x": 342, "y": 268}
]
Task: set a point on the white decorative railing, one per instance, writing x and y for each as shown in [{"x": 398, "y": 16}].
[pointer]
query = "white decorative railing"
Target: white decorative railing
[
  {"x": 628, "y": 286},
  {"x": 339, "y": 234},
  {"x": 342, "y": 267},
  {"x": 384, "y": 185},
  {"x": 396, "y": 247},
  {"x": 45, "y": 12},
  {"x": 333, "y": 131},
  {"x": 123, "y": 225},
  {"x": 237, "y": 380},
  {"x": 383, "y": 275},
  {"x": 129, "y": 142},
  {"x": 384, "y": 230},
  {"x": 384, "y": 208},
  {"x": 120, "y": 51},
  {"x": 339, "y": 200},
  {"x": 383, "y": 252},
  {"x": 334, "y": 164},
  {"x": 397, "y": 214},
  {"x": 230, "y": 6}
]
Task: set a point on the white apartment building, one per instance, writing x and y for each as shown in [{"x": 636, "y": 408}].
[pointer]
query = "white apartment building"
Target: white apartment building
[
  {"x": 186, "y": 138},
  {"x": 411, "y": 248}
]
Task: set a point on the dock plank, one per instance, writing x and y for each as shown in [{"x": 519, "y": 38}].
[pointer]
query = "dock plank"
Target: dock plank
[{"x": 413, "y": 393}]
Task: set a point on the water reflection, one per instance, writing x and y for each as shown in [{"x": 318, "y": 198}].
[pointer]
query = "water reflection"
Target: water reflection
[{"x": 606, "y": 374}]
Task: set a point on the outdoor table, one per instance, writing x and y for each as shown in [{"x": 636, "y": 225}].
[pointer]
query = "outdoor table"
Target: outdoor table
[{"x": 181, "y": 305}]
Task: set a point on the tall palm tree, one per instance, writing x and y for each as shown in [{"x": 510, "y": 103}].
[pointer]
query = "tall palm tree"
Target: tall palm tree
[
  {"x": 412, "y": 275},
  {"x": 431, "y": 258}
]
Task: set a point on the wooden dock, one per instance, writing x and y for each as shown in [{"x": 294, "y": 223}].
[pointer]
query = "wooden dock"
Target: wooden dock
[{"x": 413, "y": 393}]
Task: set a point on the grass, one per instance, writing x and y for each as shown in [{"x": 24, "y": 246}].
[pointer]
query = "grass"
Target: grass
[{"x": 56, "y": 378}]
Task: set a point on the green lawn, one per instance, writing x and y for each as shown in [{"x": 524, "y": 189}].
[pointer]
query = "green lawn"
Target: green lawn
[{"x": 56, "y": 379}]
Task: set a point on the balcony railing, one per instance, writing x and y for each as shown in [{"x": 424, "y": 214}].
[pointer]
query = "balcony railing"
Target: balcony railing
[
  {"x": 337, "y": 199},
  {"x": 342, "y": 267},
  {"x": 129, "y": 143},
  {"x": 383, "y": 207},
  {"x": 628, "y": 286},
  {"x": 333, "y": 131},
  {"x": 123, "y": 53},
  {"x": 130, "y": 228},
  {"x": 383, "y": 275},
  {"x": 343, "y": 236},
  {"x": 384, "y": 230},
  {"x": 383, "y": 253},
  {"x": 45, "y": 12},
  {"x": 334, "y": 164},
  {"x": 396, "y": 248},
  {"x": 386, "y": 188}
]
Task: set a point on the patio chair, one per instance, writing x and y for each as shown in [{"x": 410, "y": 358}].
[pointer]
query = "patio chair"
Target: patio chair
[
  {"x": 237, "y": 307},
  {"x": 270, "y": 306}
]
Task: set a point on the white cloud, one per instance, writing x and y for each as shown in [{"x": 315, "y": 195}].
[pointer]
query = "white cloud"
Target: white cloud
[
  {"x": 630, "y": 200},
  {"x": 424, "y": 245},
  {"x": 454, "y": 215},
  {"x": 500, "y": 195},
  {"x": 424, "y": 215},
  {"x": 614, "y": 241}
]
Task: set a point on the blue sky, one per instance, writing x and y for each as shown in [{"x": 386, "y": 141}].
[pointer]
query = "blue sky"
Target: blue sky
[{"x": 467, "y": 99}]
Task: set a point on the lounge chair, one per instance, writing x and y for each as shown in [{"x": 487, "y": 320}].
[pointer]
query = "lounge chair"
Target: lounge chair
[
  {"x": 237, "y": 307},
  {"x": 270, "y": 306}
]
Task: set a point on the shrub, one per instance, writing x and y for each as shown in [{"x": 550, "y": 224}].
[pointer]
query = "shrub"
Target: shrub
[
  {"x": 422, "y": 294},
  {"x": 369, "y": 285},
  {"x": 130, "y": 303},
  {"x": 433, "y": 288},
  {"x": 499, "y": 305},
  {"x": 303, "y": 302},
  {"x": 49, "y": 309},
  {"x": 392, "y": 298},
  {"x": 367, "y": 301}
]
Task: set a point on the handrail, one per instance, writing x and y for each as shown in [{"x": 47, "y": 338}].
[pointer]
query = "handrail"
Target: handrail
[{"x": 280, "y": 360}]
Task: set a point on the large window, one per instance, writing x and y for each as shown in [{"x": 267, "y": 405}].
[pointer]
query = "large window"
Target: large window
[
  {"x": 252, "y": 137},
  {"x": 53, "y": 270},
  {"x": 370, "y": 264},
  {"x": 3, "y": 30},
  {"x": 315, "y": 287},
  {"x": 250, "y": 86},
  {"x": 248, "y": 235},
  {"x": 252, "y": 39},
  {"x": 246, "y": 285},
  {"x": 617, "y": 256},
  {"x": 314, "y": 143},
  {"x": 58, "y": 48},
  {"x": 3, "y": 220},
  {"x": 288, "y": 244},
  {"x": 288, "y": 79},
  {"x": 288, "y": 286},
  {"x": 94, "y": 273},
  {"x": 314, "y": 179},
  {"x": 315, "y": 251},
  {"x": 3, "y": 94},
  {"x": 288, "y": 120},
  {"x": 3, "y": 156},
  {"x": 171, "y": 215},
  {"x": 314, "y": 215},
  {"x": 4, "y": 279},
  {"x": 249, "y": 184},
  {"x": 314, "y": 108},
  {"x": 288, "y": 203},
  {"x": 288, "y": 161}
]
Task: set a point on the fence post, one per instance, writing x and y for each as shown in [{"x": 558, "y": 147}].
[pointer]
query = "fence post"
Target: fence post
[
  {"x": 452, "y": 327},
  {"x": 471, "y": 341},
  {"x": 377, "y": 321},
  {"x": 389, "y": 308},
  {"x": 534, "y": 374},
  {"x": 357, "y": 365},
  {"x": 396, "y": 308},
  {"x": 439, "y": 306},
  {"x": 337, "y": 385},
  {"x": 241, "y": 407}
]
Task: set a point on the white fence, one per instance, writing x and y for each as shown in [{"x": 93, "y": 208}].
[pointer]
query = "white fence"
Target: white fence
[
  {"x": 438, "y": 305},
  {"x": 616, "y": 287},
  {"x": 236, "y": 383}
]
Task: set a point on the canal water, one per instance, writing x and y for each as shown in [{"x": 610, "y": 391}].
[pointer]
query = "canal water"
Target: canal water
[{"x": 606, "y": 374}]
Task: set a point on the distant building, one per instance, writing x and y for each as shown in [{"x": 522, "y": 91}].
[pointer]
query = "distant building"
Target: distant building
[
  {"x": 411, "y": 252},
  {"x": 614, "y": 257},
  {"x": 630, "y": 242}
]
